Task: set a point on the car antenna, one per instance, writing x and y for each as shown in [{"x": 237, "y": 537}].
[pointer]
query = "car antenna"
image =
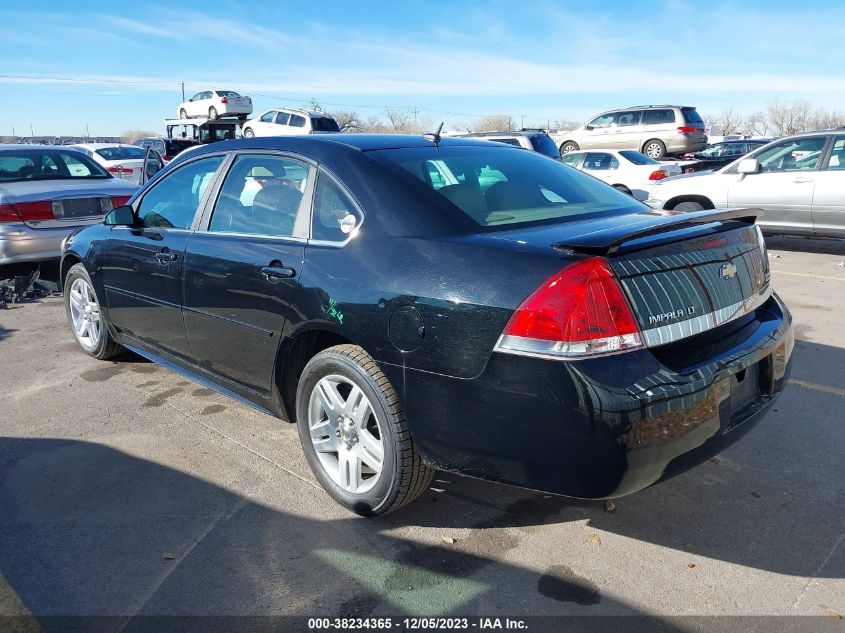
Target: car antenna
[{"x": 434, "y": 136}]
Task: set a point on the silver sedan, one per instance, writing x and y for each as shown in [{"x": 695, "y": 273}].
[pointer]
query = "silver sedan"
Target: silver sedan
[{"x": 45, "y": 193}]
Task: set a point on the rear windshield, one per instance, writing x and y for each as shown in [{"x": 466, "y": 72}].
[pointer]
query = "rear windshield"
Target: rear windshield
[
  {"x": 637, "y": 158},
  {"x": 692, "y": 117},
  {"x": 48, "y": 164},
  {"x": 227, "y": 93},
  {"x": 543, "y": 144},
  {"x": 498, "y": 186},
  {"x": 121, "y": 153},
  {"x": 324, "y": 124}
]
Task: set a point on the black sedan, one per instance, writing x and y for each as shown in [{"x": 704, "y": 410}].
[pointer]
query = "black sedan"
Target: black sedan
[
  {"x": 414, "y": 304},
  {"x": 718, "y": 155}
]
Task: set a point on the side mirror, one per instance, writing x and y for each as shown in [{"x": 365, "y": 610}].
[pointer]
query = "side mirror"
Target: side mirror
[
  {"x": 120, "y": 216},
  {"x": 748, "y": 166},
  {"x": 588, "y": 127}
]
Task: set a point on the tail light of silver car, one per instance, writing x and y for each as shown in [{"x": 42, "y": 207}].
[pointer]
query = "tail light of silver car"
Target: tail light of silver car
[
  {"x": 119, "y": 170},
  {"x": 580, "y": 312},
  {"x": 38, "y": 210},
  {"x": 659, "y": 174}
]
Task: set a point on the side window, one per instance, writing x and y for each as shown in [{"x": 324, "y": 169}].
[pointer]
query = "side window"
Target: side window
[
  {"x": 261, "y": 195},
  {"x": 206, "y": 94},
  {"x": 603, "y": 121},
  {"x": 196, "y": 97},
  {"x": 297, "y": 121},
  {"x": 282, "y": 118},
  {"x": 267, "y": 117},
  {"x": 335, "y": 216},
  {"x": 624, "y": 119},
  {"x": 572, "y": 158},
  {"x": 657, "y": 117},
  {"x": 600, "y": 161},
  {"x": 173, "y": 201},
  {"x": 75, "y": 167},
  {"x": 837, "y": 155},
  {"x": 792, "y": 155}
]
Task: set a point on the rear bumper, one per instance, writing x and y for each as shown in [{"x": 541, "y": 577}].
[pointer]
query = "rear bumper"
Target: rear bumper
[
  {"x": 604, "y": 427},
  {"x": 20, "y": 243},
  {"x": 683, "y": 144}
]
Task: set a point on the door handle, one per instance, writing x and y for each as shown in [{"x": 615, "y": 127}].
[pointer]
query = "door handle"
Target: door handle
[
  {"x": 276, "y": 273},
  {"x": 801, "y": 179},
  {"x": 165, "y": 257}
]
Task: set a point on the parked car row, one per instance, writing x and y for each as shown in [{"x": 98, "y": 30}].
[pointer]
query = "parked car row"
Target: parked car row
[{"x": 627, "y": 170}]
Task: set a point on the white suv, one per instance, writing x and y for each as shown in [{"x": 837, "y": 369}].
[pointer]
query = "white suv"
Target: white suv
[{"x": 284, "y": 122}]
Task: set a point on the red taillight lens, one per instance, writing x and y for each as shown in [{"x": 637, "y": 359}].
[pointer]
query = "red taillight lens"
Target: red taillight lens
[
  {"x": 167, "y": 157},
  {"x": 119, "y": 170},
  {"x": 224, "y": 100},
  {"x": 119, "y": 201},
  {"x": 8, "y": 213},
  {"x": 688, "y": 129},
  {"x": 33, "y": 211},
  {"x": 658, "y": 175},
  {"x": 579, "y": 312}
]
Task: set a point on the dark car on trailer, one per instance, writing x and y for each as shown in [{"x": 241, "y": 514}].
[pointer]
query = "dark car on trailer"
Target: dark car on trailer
[
  {"x": 414, "y": 303},
  {"x": 720, "y": 154}
]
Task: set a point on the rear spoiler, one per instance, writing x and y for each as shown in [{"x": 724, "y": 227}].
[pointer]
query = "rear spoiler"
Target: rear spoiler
[{"x": 607, "y": 241}]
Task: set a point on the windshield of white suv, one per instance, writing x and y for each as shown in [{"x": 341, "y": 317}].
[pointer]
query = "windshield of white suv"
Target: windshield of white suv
[
  {"x": 47, "y": 164},
  {"x": 498, "y": 186}
]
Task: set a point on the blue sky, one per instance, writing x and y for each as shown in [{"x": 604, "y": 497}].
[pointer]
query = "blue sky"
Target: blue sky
[{"x": 117, "y": 65}]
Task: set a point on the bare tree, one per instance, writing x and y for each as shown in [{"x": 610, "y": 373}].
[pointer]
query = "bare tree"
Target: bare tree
[
  {"x": 727, "y": 121},
  {"x": 495, "y": 123},
  {"x": 348, "y": 120},
  {"x": 399, "y": 119},
  {"x": 374, "y": 125},
  {"x": 130, "y": 136},
  {"x": 8, "y": 139},
  {"x": 756, "y": 125},
  {"x": 788, "y": 118},
  {"x": 563, "y": 125},
  {"x": 822, "y": 119}
]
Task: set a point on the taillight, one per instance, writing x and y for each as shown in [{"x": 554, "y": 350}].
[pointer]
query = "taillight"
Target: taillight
[
  {"x": 224, "y": 100},
  {"x": 119, "y": 170},
  {"x": 32, "y": 211},
  {"x": 167, "y": 157},
  {"x": 688, "y": 129},
  {"x": 658, "y": 175},
  {"x": 8, "y": 214},
  {"x": 119, "y": 201},
  {"x": 577, "y": 313}
]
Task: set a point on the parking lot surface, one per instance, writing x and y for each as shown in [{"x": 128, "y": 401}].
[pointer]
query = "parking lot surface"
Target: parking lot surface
[{"x": 127, "y": 490}]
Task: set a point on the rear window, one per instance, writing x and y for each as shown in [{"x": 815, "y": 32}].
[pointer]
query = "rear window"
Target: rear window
[
  {"x": 121, "y": 153},
  {"x": 227, "y": 93},
  {"x": 497, "y": 186},
  {"x": 637, "y": 158},
  {"x": 545, "y": 145},
  {"x": 324, "y": 124},
  {"x": 691, "y": 117},
  {"x": 48, "y": 164}
]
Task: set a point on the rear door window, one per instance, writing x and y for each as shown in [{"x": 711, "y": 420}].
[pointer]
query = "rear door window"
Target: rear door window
[
  {"x": 335, "y": 217},
  {"x": 625, "y": 119},
  {"x": 600, "y": 161},
  {"x": 836, "y": 162},
  {"x": 282, "y": 118},
  {"x": 658, "y": 117}
]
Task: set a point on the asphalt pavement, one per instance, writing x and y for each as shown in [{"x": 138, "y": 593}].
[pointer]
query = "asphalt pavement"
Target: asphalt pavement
[{"x": 128, "y": 490}]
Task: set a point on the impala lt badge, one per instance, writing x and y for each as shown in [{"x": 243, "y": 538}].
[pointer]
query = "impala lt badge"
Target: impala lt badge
[{"x": 728, "y": 271}]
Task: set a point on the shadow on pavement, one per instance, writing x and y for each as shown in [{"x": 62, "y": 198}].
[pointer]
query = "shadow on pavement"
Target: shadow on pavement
[{"x": 824, "y": 245}]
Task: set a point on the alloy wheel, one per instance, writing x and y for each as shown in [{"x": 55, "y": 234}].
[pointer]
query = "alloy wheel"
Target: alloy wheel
[
  {"x": 345, "y": 434},
  {"x": 85, "y": 314}
]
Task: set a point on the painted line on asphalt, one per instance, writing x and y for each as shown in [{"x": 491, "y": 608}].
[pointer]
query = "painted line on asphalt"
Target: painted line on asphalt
[
  {"x": 817, "y": 387},
  {"x": 783, "y": 272}
]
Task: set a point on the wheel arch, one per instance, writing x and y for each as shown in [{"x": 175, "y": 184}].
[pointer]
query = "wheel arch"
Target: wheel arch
[
  {"x": 69, "y": 259},
  {"x": 292, "y": 358},
  {"x": 702, "y": 200}
]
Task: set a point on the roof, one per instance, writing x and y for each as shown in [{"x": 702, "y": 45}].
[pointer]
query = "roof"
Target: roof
[
  {"x": 28, "y": 146},
  {"x": 491, "y": 133},
  {"x": 100, "y": 145},
  {"x": 311, "y": 113}
]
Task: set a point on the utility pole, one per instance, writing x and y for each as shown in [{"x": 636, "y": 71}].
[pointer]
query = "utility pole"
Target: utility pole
[
  {"x": 523, "y": 122},
  {"x": 183, "y": 92},
  {"x": 87, "y": 132},
  {"x": 31, "y": 132}
]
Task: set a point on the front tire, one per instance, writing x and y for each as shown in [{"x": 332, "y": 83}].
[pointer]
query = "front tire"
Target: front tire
[
  {"x": 569, "y": 146},
  {"x": 88, "y": 324},
  {"x": 654, "y": 149},
  {"x": 354, "y": 434},
  {"x": 212, "y": 113},
  {"x": 248, "y": 133},
  {"x": 688, "y": 207}
]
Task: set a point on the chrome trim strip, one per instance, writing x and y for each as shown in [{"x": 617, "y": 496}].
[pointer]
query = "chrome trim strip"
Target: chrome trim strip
[{"x": 672, "y": 332}]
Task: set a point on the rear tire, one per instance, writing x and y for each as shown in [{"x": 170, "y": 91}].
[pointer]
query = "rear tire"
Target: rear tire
[
  {"x": 248, "y": 133},
  {"x": 88, "y": 324},
  {"x": 354, "y": 434},
  {"x": 688, "y": 207},
  {"x": 654, "y": 148},
  {"x": 569, "y": 146},
  {"x": 212, "y": 113}
]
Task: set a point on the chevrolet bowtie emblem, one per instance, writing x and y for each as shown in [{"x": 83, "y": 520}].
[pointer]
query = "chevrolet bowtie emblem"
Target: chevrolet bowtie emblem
[{"x": 727, "y": 271}]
